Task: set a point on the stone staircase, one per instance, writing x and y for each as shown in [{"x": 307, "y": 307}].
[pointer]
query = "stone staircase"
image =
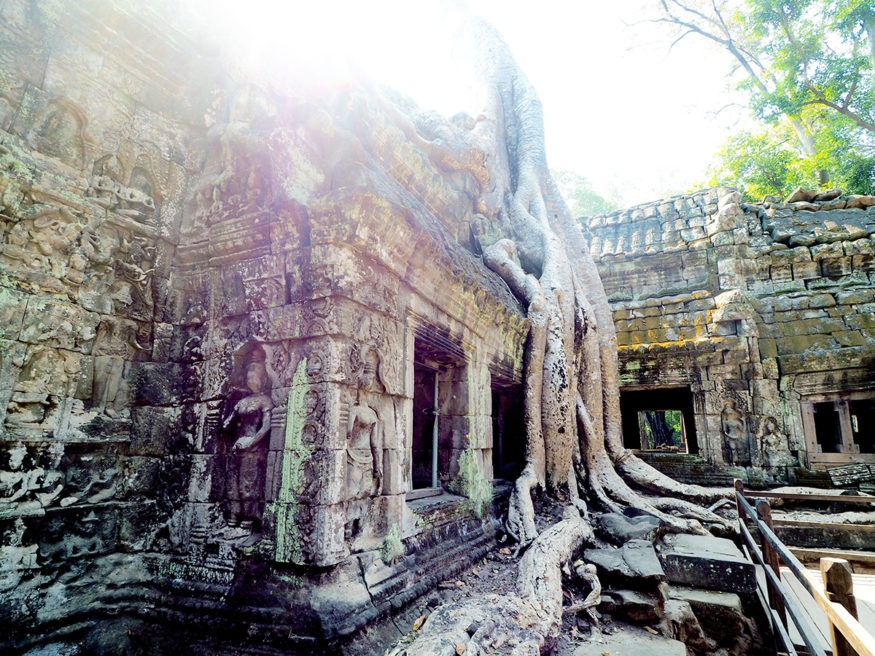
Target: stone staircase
[{"x": 690, "y": 468}]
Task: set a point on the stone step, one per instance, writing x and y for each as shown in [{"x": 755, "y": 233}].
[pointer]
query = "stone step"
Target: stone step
[{"x": 704, "y": 561}]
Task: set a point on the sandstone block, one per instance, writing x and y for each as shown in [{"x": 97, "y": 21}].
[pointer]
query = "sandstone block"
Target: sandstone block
[
  {"x": 618, "y": 528},
  {"x": 706, "y": 562},
  {"x": 153, "y": 428},
  {"x": 636, "y": 606},
  {"x": 633, "y": 563}
]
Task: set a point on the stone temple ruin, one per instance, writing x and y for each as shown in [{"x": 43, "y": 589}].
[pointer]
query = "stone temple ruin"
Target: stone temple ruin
[
  {"x": 254, "y": 377},
  {"x": 755, "y": 322},
  {"x": 264, "y": 337}
]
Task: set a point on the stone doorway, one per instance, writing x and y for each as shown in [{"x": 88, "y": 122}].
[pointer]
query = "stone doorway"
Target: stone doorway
[
  {"x": 659, "y": 419},
  {"x": 508, "y": 433},
  {"x": 425, "y": 428}
]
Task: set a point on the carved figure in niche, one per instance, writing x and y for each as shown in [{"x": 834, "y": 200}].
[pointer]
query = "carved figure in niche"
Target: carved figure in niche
[
  {"x": 60, "y": 135},
  {"x": 364, "y": 445},
  {"x": 41, "y": 383},
  {"x": 249, "y": 424},
  {"x": 133, "y": 284},
  {"x": 137, "y": 200},
  {"x": 105, "y": 181},
  {"x": 774, "y": 447},
  {"x": 735, "y": 433},
  {"x": 115, "y": 347},
  {"x": 106, "y": 189}
]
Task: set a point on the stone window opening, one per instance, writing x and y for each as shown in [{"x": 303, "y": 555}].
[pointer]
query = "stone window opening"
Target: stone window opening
[
  {"x": 863, "y": 424},
  {"x": 840, "y": 427},
  {"x": 440, "y": 405},
  {"x": 659, "y": 419}
]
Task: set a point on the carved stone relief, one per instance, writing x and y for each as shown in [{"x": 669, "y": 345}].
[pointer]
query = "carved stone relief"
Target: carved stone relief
[
  {"x": 38, "y": 477},
  {"x": 735, "y": 434},
  {"x": 247, "y": 426},
  {"x": 364, "y": 448},
  {"x": 774, "y": 447},
  {"x": 16, "y": 557},
  {"x": 236, "y": 180},
  {"x": 60, "y": 133},
  {"x": 135, "y": 200}
]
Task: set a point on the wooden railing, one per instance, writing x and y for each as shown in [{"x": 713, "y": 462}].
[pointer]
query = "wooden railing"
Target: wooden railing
[{"x": 837, "y": 599}]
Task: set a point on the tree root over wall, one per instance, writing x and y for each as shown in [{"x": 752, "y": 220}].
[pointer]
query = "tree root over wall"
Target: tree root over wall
[{"x": 574, "y": 446}]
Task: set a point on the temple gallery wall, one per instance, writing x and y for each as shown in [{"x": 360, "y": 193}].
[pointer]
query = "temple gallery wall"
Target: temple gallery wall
[
  {"x": 248, "y": 346},
  {"x": 255, "y": 380},
  {"x": 750, "y": 325}
]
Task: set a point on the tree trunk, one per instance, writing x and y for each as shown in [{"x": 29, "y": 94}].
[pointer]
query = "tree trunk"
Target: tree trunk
[{"x": 571, "y": 391}]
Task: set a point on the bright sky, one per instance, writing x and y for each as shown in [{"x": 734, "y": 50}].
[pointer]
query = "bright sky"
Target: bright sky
[{"x": 635, "y": 118}]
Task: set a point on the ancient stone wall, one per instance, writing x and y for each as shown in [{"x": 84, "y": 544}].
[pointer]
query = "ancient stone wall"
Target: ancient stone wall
[
  {"x": 216, "y": 298},
  {"x": 759, "y": 312},
  {"x": 93, "y": 169}
]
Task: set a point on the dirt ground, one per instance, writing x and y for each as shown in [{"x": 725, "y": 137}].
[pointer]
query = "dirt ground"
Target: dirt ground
[{"x": 496, "y": 574}]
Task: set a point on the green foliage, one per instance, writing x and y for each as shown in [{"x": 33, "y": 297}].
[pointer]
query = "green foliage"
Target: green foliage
[
  {"x": 758, "y": 164},
  {"x": 661, "y": 428},
  {"x": 392, "y": 547},
  {"x": 768, "y": 162},
  {"x": 578, "y": 192},
  {"x": 473, "y": 481},
  {"x": 808, "y": 68}
]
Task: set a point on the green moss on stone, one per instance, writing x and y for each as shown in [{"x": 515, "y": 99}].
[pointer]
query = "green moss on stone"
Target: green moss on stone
[
  {"x": 295, "y": 453},
  {"x": 473, "y": 481}
]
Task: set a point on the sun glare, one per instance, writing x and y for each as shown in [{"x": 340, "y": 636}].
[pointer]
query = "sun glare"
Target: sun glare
[{"x": 419, "y": 48}]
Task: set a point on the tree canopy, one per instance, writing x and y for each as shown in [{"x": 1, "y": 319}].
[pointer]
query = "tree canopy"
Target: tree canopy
[
  {"x": 808, "y": 69},
  {"x": 579, "y": 194}
]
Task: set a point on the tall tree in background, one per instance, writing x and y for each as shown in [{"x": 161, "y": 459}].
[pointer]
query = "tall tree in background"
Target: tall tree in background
[
  {"x": 808, "y": 67},
  {"x": 579, "y": 194}
]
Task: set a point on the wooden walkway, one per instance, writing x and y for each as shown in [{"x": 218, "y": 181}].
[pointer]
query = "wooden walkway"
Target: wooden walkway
[
  {"x": 864, "y": 591},
  {"x": 801, "y": 608}
]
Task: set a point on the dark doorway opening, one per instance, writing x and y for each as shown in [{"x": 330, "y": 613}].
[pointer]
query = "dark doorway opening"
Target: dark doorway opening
[
  {"x": 508, "y": 433},
  {"x": 660, "y": 419},
  {"x": 424, "y": 474}
]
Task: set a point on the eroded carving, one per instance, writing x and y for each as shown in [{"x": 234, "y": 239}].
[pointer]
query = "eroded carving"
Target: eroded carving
[
  {"x": 774, "y": 446},
  {"x": 16, "y": 557},
  {"x": 106, "y": 189},
  {"x": 60, "y": 134},
  {"x": 734, "y": 433},
  {"x": 248, "y": 425},
  {"x": 364, "y": 455},
  {"x": 30, "y": 484}
]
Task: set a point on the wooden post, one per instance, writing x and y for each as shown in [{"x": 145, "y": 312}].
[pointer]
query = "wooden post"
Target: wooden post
[
  {"x": 764, "y": 512},
  {"x": 739, "y": 489},
  {"x": 839, "y": 586}
]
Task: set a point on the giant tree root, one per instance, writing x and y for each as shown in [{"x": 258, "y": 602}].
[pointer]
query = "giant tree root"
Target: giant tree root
[{"x": 521, "y": 624}]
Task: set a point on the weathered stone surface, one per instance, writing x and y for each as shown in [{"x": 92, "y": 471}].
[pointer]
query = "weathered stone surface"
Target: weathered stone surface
[
  {"x": 639, "y": 607},
  {"x": 632, "y": 643},
  {"x": 619, "y": 528},
  {"x": 720, "y": 614},
  {"x": 683, "y": 625},
  {"x": 214, "y": 297},
  {"x": 706, "y": 562},
  {"x": 635, "y": 561}
]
